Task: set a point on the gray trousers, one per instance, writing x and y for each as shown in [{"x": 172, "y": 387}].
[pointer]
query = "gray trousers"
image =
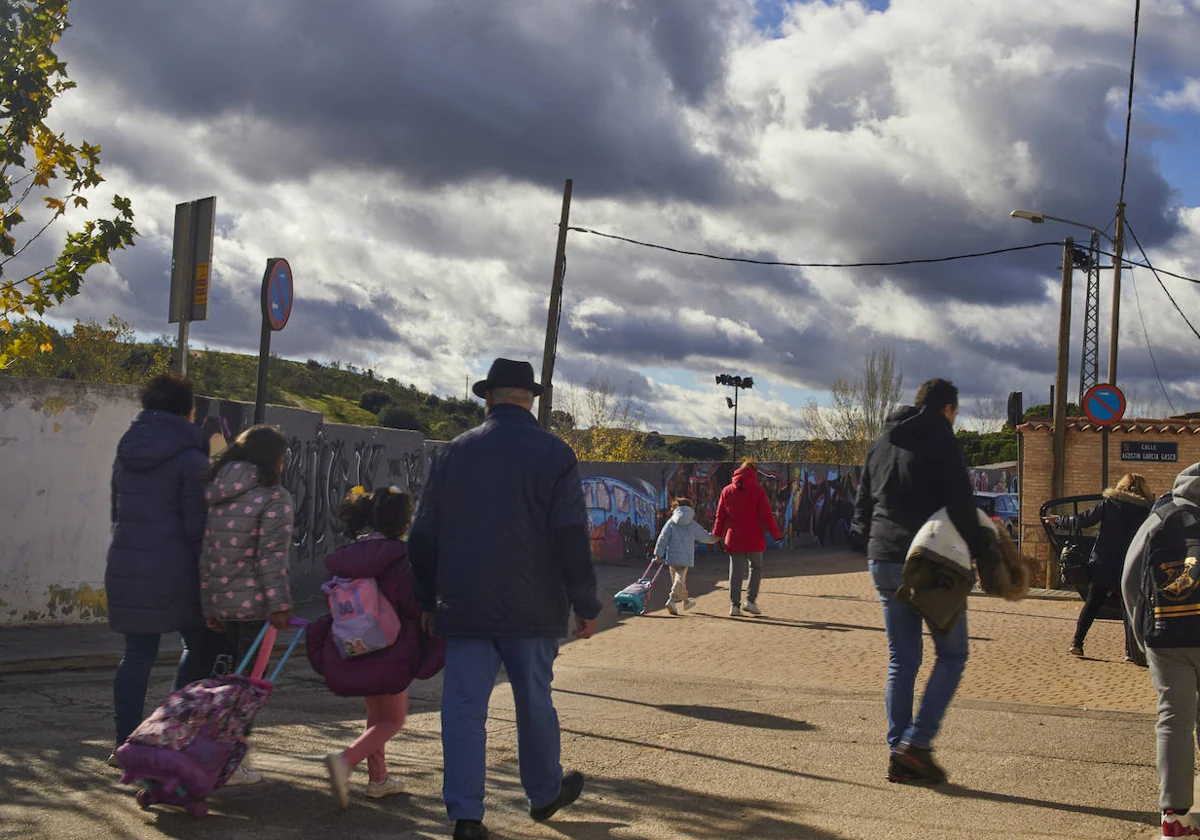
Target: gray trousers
[
  {"x": 1176, "y": 676},
  {"x": 737, "y": 573}
]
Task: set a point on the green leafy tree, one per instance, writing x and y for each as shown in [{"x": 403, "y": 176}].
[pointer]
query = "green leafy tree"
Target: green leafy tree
[
  {"x": 374, "y": 400},
  {"x": 395, "y": 417},
  {"x": 39, "y": 167},
  {"x": 1047, "y": 410}
]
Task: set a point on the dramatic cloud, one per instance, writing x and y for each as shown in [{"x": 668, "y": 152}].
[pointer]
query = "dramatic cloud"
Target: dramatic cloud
[{"x": 407, "y": 156}]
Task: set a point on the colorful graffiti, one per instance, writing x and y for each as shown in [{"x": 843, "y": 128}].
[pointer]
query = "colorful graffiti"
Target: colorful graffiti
[
  {"x": 621, "y": 516},
  {"x": 628, "y": 503},
  {"x": 994, "y": 480}
]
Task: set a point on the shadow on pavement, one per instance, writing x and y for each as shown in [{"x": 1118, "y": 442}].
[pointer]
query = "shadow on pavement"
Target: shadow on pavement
[
  {"x": 712, "y": 714},
  {"x": 961, "y": 792},
  {"x": 617, "y": 803}
]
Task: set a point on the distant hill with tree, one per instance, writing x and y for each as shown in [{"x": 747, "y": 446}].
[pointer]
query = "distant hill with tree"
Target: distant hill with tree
[{"x": 598, "y": 421}]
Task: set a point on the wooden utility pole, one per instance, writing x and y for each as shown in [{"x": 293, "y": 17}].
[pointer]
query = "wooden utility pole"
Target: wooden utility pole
[
  {"x": 1115, "y": 328},
  {"x": 1058, "y": 473},
  {"x": 546, "y": 403}
]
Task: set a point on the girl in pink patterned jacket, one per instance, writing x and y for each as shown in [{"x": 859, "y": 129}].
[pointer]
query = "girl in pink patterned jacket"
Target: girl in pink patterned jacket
[{"x": 244, "y": 563}]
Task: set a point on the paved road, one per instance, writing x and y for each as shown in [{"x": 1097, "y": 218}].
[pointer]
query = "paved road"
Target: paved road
[{"x": 696, "y": 727}]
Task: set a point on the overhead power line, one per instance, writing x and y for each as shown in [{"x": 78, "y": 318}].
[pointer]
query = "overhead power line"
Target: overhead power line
[
  {"x": 790, "y": 264},
  {"x": 1146, "y": 333},
  {"x": 1155, "y": 272},
  {"x": 1137, "y": 13}
]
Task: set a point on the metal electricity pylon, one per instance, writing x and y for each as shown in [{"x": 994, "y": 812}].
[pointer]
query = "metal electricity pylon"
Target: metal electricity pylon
[{"x": 1089, "y": 366}]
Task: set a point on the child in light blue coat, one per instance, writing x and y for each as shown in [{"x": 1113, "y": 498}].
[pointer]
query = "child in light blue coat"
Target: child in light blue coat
[{"x": 676, "y": 547}]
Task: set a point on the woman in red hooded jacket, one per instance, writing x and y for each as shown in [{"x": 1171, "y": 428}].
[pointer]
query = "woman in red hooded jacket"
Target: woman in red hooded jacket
[{"x": 744, "y": 518}]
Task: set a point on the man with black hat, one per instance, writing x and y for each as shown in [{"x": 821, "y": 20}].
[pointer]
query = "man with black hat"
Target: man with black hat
[{"x": 500, "y": 551}]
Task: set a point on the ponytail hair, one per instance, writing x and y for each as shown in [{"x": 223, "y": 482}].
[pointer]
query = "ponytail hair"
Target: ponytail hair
[
  {"x": 355, "y": 512},
  {"x": 263, "y": 446},
  {"x": 391, "y": 512}
]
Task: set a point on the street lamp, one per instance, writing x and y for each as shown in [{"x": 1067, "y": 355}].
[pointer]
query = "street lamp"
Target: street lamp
[
  {"x": 1118, "y": 243},
  {"x": 1090, "y": 321},
  {"x": 737, "y": 383},
  {"x": 1040, "y": 218}
]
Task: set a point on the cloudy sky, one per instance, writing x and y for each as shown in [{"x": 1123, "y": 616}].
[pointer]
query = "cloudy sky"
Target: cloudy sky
[{"x": 408, "y": 157}]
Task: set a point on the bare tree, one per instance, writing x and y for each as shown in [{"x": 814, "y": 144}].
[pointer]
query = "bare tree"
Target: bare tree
[
  {"x": 775, "y": 440},
  {"x": 608, "y": 423},
  {"x": 991, "y": 412},
  {"x": 879, "y": 391},
  {"x": 840, "y": 432}
]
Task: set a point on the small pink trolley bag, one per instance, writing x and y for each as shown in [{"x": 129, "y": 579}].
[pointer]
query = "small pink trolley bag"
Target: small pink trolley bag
[{"x": 363, "y": 620}]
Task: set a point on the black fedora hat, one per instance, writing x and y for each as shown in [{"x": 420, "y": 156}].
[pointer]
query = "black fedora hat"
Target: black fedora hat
[{"x": 505, "y": 373}]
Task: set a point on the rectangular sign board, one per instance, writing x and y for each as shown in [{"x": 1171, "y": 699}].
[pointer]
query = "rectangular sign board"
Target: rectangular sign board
[
  {"x": 1149, "y": 452},
  {"x": 191, "y": 259}
]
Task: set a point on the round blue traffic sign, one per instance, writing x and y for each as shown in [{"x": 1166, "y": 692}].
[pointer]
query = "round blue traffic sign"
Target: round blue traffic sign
[
  {"x": 277, "y": 293},
  {"x": 1104, "y": 404}
]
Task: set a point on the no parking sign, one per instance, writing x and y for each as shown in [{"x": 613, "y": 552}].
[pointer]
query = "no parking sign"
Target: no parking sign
[{"x": 1104, "y": 404}]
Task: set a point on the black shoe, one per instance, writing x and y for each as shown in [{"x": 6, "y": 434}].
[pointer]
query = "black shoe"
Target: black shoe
[
  {"x": 470, "y": 830},
  {"x": 914, "y": 764},
  {"x": 572, "y": 786}
]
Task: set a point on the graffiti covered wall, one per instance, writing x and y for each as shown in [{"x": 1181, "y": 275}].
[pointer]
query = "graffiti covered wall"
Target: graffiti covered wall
[
  {"x": 57, "y": 441},
  {"x": 324, "y": 461},
  {"x": 995, "y": 478},
  {"x": 628, "y": 503}
]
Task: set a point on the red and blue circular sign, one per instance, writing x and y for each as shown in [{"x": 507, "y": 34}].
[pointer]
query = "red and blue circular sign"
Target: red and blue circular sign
[
  {"x": 277, "y": 293},
  {"x": 1104, "y": 404}
]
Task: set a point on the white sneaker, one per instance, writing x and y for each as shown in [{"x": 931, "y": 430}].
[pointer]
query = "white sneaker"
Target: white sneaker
[
  {"x": 339, "y": 778},
  {"x": 735, "y": 610},
  {"x": 751, "y": 608},
  {"x": 1179, "y": 825},
  {"x": 243, "y": 775},
  {"x": 689, "y": 604},
  {"x": 388, "y": 787},
  {"x": 671, "y": 608}
]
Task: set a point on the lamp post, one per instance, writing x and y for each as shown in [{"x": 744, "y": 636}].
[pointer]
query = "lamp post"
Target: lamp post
[
  {"x": 1118, "y": 243},
  {"x": 738, "y": 383}
]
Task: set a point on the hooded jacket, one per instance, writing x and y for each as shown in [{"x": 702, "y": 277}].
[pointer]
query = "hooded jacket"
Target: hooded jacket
[
  {"x": 915, "y": 468},
  {"x": 676, "y": 544},
  {"x": 158, "y": 515},
  {"x": 1119, "y": 517},
  {"x": 414, "y": 655},
  {"x": 244, "y": 568},
  {"x": 1185, "y": 493},
  {"x": 744, "y": 514}
]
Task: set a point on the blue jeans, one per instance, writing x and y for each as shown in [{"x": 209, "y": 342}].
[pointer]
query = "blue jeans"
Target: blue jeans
[
  {"x": 133, "y": 674},
  {"x": 472, "y": 665},
  {"x": 905, "y": 648}
]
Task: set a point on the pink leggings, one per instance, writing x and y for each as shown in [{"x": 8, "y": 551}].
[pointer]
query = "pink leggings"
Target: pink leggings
[{"x": 385, "y": 717}]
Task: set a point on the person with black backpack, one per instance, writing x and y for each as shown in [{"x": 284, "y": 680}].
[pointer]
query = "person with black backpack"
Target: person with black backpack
[{"x": 1160, "y": 585}]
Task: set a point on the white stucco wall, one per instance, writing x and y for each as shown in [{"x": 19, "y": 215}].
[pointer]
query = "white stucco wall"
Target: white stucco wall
[{"x": 57, "y": 441}]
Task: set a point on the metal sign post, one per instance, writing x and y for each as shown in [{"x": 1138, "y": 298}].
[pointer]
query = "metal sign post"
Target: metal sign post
[
  {"x": 191, "y": 261},
  {"x": 276, "y": 308},
  {"x": 1104, "y": 405}
]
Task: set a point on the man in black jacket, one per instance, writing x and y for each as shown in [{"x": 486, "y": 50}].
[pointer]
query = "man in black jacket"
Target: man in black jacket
[
  {"x": 913, "y": 470},
  {"x": 500, "y": 552}
]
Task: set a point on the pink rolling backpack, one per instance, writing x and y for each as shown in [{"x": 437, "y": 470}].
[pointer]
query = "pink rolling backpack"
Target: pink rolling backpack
[{"x": 363, "y": 620}]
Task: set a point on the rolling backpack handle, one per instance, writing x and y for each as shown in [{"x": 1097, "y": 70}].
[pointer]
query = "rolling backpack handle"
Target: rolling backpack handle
[{"x": 264, "y": 644}]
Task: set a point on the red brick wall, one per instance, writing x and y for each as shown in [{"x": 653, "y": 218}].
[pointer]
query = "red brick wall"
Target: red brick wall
[{"x": 1083, "y": 476}]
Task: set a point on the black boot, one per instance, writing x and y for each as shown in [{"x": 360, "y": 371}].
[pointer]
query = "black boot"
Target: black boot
[
  {"x": 470, "y": 830},
  {"x": 572, "y": 786}
]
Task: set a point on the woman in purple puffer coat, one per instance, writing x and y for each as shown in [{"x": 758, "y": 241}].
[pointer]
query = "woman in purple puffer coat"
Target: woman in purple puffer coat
[{"x": 377, "y": 522}]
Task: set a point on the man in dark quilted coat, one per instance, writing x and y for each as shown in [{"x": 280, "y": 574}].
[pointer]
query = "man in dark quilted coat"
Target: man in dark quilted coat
[{"x": 500, "y": 551}]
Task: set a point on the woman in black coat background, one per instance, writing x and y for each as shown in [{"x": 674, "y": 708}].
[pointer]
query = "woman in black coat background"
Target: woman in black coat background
[
  {"x": 158, "y": 515},
  {"x": 1124, "y": 509}
]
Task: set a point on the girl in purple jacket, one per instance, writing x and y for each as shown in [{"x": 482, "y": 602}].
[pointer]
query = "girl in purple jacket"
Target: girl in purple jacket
[{"x": 377, "y": 522}]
